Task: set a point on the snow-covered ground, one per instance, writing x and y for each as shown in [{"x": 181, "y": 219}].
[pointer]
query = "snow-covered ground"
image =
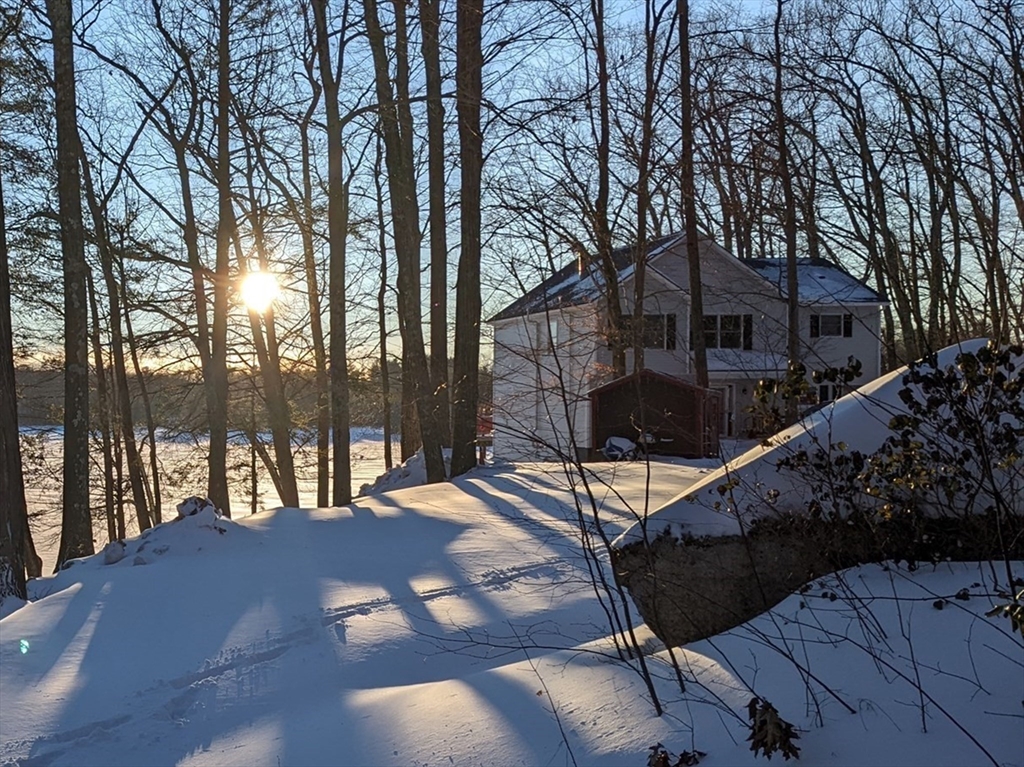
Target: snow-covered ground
[
  {"x": 457, "y": 624},
  {"x": 182, "y": 464}
]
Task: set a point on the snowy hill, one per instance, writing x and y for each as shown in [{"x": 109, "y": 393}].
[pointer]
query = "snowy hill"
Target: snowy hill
[{"x": 457, "y": 624}]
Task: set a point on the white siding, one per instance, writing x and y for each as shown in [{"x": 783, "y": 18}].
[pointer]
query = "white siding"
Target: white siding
[
  {"x": 540, "y": 391},
  {"x": 540, "y": 388}
]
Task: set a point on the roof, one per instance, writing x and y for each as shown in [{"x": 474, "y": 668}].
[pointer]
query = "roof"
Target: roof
[
  {"x": 567, "y": 287},
  {"x": 646, "y": 373},
  {"x": 818, "y": 281}
]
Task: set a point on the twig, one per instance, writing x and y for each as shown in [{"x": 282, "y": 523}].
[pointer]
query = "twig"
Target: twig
[{"x": 543, "y": 684}]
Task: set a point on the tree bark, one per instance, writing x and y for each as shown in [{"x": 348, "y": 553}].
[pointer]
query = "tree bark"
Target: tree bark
[
  {"x": 788, "y": 217},
  {"x": 469, "y": 88},
  {"x": 429, "y": 33},
  {"x": 405, "y": 220},
  {"x": 122, "y": 394},
  {"x": 602, "y": 227},
  {"x": 76, "y": 523},
  {"x": 700, "y": 356},
  {"x": 14, "y": 532},
  {"x": 217, "y": 390},
  {"x": 337, "y": 224},
  {"x": 103, "y": 400},
  {"x": 382, "y": 289}
]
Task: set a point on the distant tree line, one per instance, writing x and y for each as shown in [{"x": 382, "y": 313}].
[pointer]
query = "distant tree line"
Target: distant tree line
[{"x": 177, "y": 405}]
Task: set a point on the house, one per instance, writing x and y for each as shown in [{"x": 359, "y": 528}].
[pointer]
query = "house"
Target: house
[{"x": 551, "y": 350}]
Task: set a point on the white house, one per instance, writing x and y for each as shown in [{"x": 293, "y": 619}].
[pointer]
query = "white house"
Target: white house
[{"x": 550, "y": 349}]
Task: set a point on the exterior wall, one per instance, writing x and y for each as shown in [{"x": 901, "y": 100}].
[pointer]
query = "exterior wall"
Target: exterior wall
[
  {"x": 515, "y": 387},
  {"x": 865, "y": 345},
  {"x": 540, "y": 387},
  {"x": 660, "y": 297}
]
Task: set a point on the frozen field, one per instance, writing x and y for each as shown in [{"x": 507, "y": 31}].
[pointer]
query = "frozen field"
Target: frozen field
[{"x": 183, "y": 473}]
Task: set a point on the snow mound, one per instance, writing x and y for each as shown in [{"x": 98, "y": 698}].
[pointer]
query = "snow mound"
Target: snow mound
[
  {"x": 412, "y": 473},
  {"x": 456, "y": 624},
  {"x": 200, "y": 531},
  {"x": 754, "y": 481}
]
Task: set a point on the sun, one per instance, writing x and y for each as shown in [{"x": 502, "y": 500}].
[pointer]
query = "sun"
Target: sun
[{"x": 259, "y": 290}]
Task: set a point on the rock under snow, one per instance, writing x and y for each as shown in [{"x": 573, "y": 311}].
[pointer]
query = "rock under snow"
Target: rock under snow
[
  {"x": 113, "y": 552},
  {"x": 412, "y": 473}
]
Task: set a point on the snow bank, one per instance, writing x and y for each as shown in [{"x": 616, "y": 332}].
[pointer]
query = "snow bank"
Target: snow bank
[
  {"x": 755, "y": 483},
  {"x": 455, "y": 624},
  {"x": 412, "y": 473}
]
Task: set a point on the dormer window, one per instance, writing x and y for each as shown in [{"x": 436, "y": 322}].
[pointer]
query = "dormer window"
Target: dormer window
[{"x": 831, "y": 326}]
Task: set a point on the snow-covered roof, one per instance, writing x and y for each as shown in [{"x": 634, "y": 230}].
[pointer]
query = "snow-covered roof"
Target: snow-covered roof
[
  {"x": 818, "y": 281},
  {"x": 821, "y": 282},
  {"x": 568, "y": 287}
]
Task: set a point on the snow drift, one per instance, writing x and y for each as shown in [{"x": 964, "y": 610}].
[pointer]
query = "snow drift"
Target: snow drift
[{"x": 755, "y": 484}]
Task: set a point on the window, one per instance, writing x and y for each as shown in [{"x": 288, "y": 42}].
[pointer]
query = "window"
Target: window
[
  {"x": 729, "y": 331},
  {"x": 659, "y": 331},
  {"x": 553, "y": 331},
  {"x": 832, "y": 325},
  {"x": 827, "y": 392}
]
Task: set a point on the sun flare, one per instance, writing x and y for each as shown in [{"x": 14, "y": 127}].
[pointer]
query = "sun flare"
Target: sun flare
[{"x": 259, "y": 290}]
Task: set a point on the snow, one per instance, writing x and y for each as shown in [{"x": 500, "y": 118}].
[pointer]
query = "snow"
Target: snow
[
  {"x": 456, "y": 624},
  {"x": 183, "y": 473},
  {"x": 759, "y": 487},
  {"x": 410, "y": 473},
  {"x": 818, "y": 282}
]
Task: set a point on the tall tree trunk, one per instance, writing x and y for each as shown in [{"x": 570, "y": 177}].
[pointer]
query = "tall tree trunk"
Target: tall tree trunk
[
  {"x": 76, "y": 523},
  {"x": 122, "y": 396},
  {"x": 469, "y": 88},
  {"x": 276, "y": 403},
  {"x": 103, "y": 400},
  {"x": 430, "y": 32},
  {"x": 147, "y": 403},
  {"x": 217, "y": 389},
  {"x": 382, "y": 290},
  {"x": 323, "y": 402},
  {"x": 405, "y": 220},
  {"x": 337, "y": 224},
  {"x": 412, "y": 391},
  {"x": 643, "y": 195},
  {"x": 788, "y": 217},
  {"x": 14, "y": 532},
  {"x": 268, "y": 349},
  {"x": 700, "y": 356},
  {"x": 602, "y": 226}
]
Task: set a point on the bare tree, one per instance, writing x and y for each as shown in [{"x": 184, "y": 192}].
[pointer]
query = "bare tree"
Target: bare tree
[
  {"x": 467, "y": 317},
  {"x": 430, "y": 28},
  {"x": 337, "y": 224},
  {"x": 13, "y": 509},
  {"x": 789, "y": 211},
  {"x": 122, "y": 395},
  {"x": 396, "y": 127},
  {"x": 76, "y": 525},
  {"x": 689, "y": 192}
]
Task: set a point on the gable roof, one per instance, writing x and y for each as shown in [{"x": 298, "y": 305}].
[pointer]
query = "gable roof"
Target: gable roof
[
  {"x": 567, "y": 288},
  {"x": 819, "y": 281}
]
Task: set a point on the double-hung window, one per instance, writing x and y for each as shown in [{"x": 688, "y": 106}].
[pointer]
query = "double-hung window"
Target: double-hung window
[
  {"x": 832, "y": 325},
  {"x": 659, "y": 331},
  {"x": 729, "y": 331}
]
